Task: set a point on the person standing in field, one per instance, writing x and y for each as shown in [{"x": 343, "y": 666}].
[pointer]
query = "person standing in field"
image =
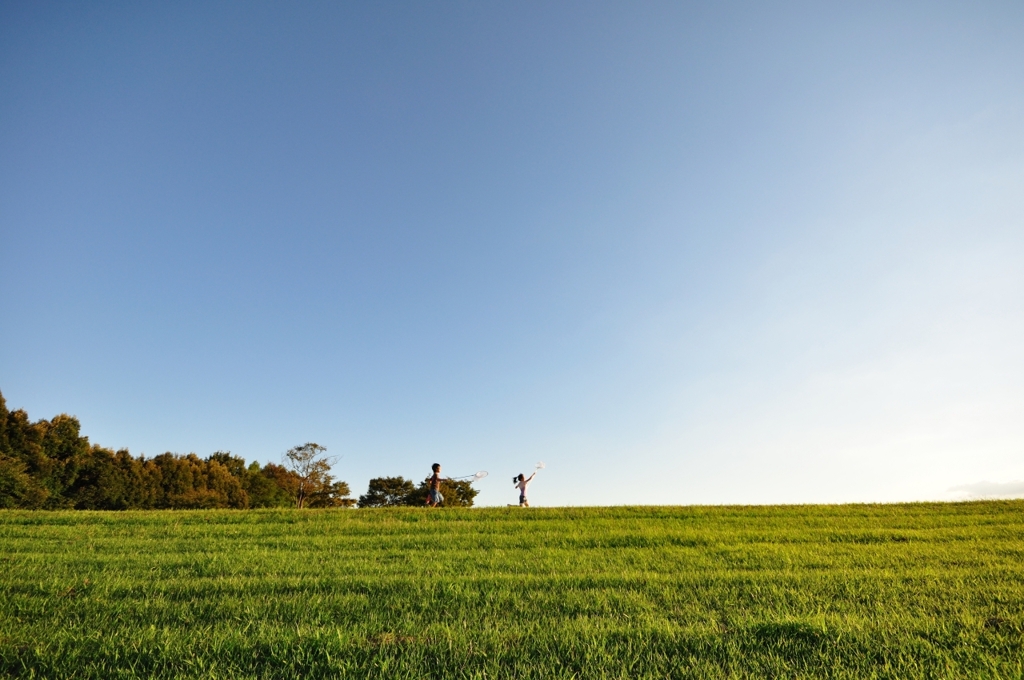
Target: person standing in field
[
  {"x": 521, "y": 483},
  {"x": 434, "y": 497}
]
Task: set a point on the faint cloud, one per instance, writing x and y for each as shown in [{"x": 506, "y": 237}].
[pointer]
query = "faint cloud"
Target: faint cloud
[{"x": 989, "y": 490}]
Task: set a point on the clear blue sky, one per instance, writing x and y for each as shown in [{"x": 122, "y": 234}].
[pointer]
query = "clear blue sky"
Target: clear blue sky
[{"x": 682, "y": 252}]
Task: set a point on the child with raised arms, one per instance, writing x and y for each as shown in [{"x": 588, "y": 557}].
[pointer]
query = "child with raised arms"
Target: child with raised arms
[{"x": 521, "y": 482}]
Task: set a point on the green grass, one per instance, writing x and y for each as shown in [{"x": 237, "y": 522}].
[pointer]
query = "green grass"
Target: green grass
[{"x": 897, "y": 591}]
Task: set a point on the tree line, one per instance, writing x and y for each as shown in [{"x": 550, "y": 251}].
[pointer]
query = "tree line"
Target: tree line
[{"x": 48, "y": 464}]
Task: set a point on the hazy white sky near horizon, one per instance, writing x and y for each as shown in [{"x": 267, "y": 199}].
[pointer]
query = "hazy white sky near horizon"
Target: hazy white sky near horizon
[{"x": 683, "y": 253}]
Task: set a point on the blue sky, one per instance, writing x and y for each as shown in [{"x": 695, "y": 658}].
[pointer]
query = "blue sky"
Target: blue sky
[{"x": 681, "y": 252}]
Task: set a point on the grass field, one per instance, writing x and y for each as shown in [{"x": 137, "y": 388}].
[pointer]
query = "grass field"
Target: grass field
[{"x": 899, "y": 591}]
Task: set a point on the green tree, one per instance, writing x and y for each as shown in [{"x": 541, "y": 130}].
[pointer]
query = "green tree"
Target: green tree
[
  {"x": 191, "y": 482},
  {"x": 263, "y": 489},
  {"x": 26, "y": 467},
  {"x": 66, "y": 450},
  {"x": 101, "y": 483},
  {"x": 385, "y": 492},
  {"x": 285, "y": 482},
  {"x": 25, "y": 443},
  {"x": 219, "y": 480},
  {"x": 315, "y": 485},
  {"x": 15, "y": 483},
  {"x": 5, "y": 446},
  {"x": 234, "y": 464},
  {"x": 333, "y": 495},
  {"x": 14, "y": 479}
]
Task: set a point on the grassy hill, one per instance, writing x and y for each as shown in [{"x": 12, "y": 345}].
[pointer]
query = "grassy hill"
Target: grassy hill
[{"x": 900, "y": 591}]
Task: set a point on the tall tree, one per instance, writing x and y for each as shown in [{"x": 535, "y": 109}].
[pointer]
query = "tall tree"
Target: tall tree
[
  {"x": 5, "y": 445},
  {"x": 15, "y": 483},
  {"x": 25, "y": 468},
  {"x": 316, "y": 486},
  {"x": 14, "y": 477},
  {"x": 285, "y": 483},
  {"x": 67, "y": 450}
]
